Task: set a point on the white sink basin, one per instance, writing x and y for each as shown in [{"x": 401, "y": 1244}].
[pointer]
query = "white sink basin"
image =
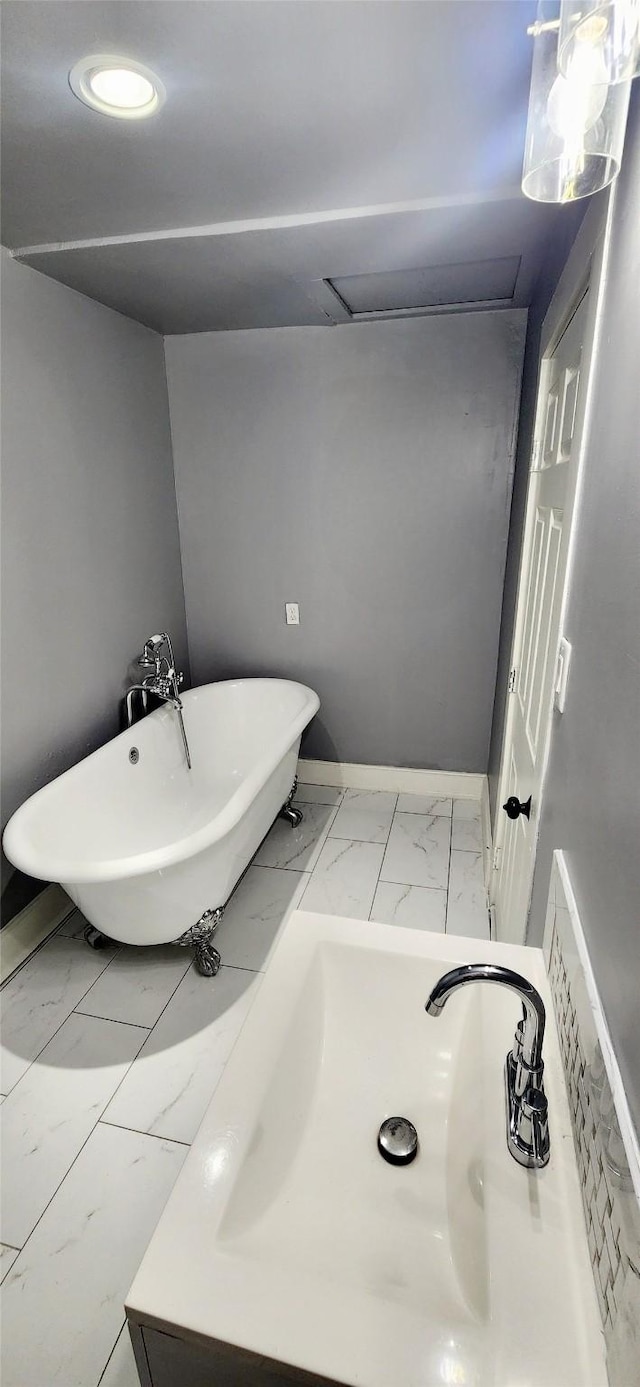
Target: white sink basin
[{"x": 289, "y": 1236}]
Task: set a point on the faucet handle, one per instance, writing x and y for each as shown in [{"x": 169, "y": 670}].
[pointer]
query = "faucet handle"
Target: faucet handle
[{"x": 533, "y": 1127}]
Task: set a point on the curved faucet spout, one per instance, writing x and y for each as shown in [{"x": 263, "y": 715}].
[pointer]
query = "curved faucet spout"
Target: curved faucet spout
[
  {"x": 532, "y": 1003},
  {"x": 527, "y": 1119}
]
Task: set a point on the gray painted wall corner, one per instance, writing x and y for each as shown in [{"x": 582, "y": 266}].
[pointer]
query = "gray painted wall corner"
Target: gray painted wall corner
[
  {"x": 364, "y": 472},
  {"x": 591, "y": 807},
  {"x": 90, "y": 542}
]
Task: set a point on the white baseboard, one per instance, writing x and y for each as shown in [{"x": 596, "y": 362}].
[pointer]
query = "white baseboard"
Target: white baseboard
[
  {"x": 27, "y": 930},
  {"x": 487, "y": 837},
  {"x": 352, "y": 775}
]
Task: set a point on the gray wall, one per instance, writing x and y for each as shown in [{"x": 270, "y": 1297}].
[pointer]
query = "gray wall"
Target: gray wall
[
  {"x": 592, "y": 803},
  {"x": 90, "y": 548},
  {"x": 558, "y": 251},
  {"x": 365, "y": 472}
]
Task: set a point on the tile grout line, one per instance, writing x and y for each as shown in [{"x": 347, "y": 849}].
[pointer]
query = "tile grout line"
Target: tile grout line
[
  {"x": 135, "y": 1131},
  {"x": 240, "y": 967},
  {"x": 353, "y": 842},
  {"x": 148, "y": 1037},
  {"x": 323, "y": 838},
  {"x": 100, "y": 1119},
  {"x": 96, "y": 1123},
  {"x": 269, "y": 867},
  {"x": 117, "y": 1340},
  {"x": 297, "y": 801},
  {"x": 65, "y": 1018},
  {"x": 384, "y": 853},
  {"x": 411, "y": 884},
  {"x": 111, "y": 1096},
  {"x": 446, "y": 916},
  {"x": 377, "y": 845},
  {"x": 115, "y": 1020},
  {"x": 149, "y": 1030},
  {"x": 68, "y": 1172}
]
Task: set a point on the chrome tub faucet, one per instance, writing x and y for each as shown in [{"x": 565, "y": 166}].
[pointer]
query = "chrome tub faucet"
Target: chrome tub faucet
[
  {"x": 163, "y": 682},
  {"x": 527, "y": 1111}
]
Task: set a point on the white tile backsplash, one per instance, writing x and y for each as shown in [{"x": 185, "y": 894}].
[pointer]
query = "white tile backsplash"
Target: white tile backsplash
[{"x": 606, "y": 1164}]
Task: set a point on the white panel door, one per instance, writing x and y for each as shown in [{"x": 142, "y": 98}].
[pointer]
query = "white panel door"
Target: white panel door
[{"x": 540, "y": 593}]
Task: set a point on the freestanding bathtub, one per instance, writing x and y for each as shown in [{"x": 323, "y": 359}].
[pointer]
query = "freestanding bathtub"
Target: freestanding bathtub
[{"x": 149, "y": 850}]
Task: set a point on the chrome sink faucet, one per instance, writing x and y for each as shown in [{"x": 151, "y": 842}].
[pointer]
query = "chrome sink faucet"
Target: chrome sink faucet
[
  {"x": 163, "y": 683},
  {"x": 527, "y": 1112}
]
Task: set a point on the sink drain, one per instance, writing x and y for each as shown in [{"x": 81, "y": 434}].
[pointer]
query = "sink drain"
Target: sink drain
[{"x": 398, "y": 1141}]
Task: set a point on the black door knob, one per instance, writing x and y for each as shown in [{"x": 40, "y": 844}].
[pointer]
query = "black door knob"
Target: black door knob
[{"x": 514, "y": 808}]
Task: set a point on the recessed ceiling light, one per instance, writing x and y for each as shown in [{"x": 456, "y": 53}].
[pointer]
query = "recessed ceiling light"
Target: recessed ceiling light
[{"x": 117, "y": 86}]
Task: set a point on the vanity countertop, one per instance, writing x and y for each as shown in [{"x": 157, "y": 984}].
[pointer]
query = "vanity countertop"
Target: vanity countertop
[{"x": 289, "y": 1237}]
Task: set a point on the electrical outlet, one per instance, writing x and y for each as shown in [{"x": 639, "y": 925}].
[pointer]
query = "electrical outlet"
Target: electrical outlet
[{"x": 292, "y": 613}]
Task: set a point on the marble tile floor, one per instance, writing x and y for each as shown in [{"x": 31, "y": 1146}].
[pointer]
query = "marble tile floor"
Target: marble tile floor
[{"x": 109, "y": 1059}]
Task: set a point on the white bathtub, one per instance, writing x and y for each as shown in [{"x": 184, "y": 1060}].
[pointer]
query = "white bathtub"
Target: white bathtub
[{"x": 145, "y": 849}]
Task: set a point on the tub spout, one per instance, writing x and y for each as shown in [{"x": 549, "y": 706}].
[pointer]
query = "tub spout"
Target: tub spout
[
  {"x": 150, "y": 688},
  {"x": 163, "y": 683}
]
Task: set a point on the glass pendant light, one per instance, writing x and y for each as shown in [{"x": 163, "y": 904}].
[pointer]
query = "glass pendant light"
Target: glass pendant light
[
  {"x": 576, "y": 121},
  {"x": 606, "y": 32}
]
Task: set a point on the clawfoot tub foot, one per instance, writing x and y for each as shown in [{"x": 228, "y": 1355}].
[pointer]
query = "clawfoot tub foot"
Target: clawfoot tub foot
[
  {"x": 289, "y": 812},
  {"x": 207, "y": 960},
  {"x": 96, "y": 939},
  {"x": 200, "y": 935}
]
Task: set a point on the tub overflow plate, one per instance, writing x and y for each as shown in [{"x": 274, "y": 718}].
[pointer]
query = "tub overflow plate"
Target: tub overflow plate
[
  {"x": 134, "y": 756},
  {"x": 398, "y": 1141}
]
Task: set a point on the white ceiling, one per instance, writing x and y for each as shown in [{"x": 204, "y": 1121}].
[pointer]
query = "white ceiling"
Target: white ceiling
[{"x": 301, "y": 140}]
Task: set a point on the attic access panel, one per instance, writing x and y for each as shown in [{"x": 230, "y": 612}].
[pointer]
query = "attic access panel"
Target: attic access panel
[{"x": 434, "y": 286}]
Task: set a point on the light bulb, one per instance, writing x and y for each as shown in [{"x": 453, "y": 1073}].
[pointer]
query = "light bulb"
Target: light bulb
[
  {"x": 119, "y": 86},
  {"x": 574, "y": 106}
]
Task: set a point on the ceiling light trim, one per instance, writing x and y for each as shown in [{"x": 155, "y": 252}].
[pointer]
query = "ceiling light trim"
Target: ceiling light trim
[{"x": 80, "y": 82}]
